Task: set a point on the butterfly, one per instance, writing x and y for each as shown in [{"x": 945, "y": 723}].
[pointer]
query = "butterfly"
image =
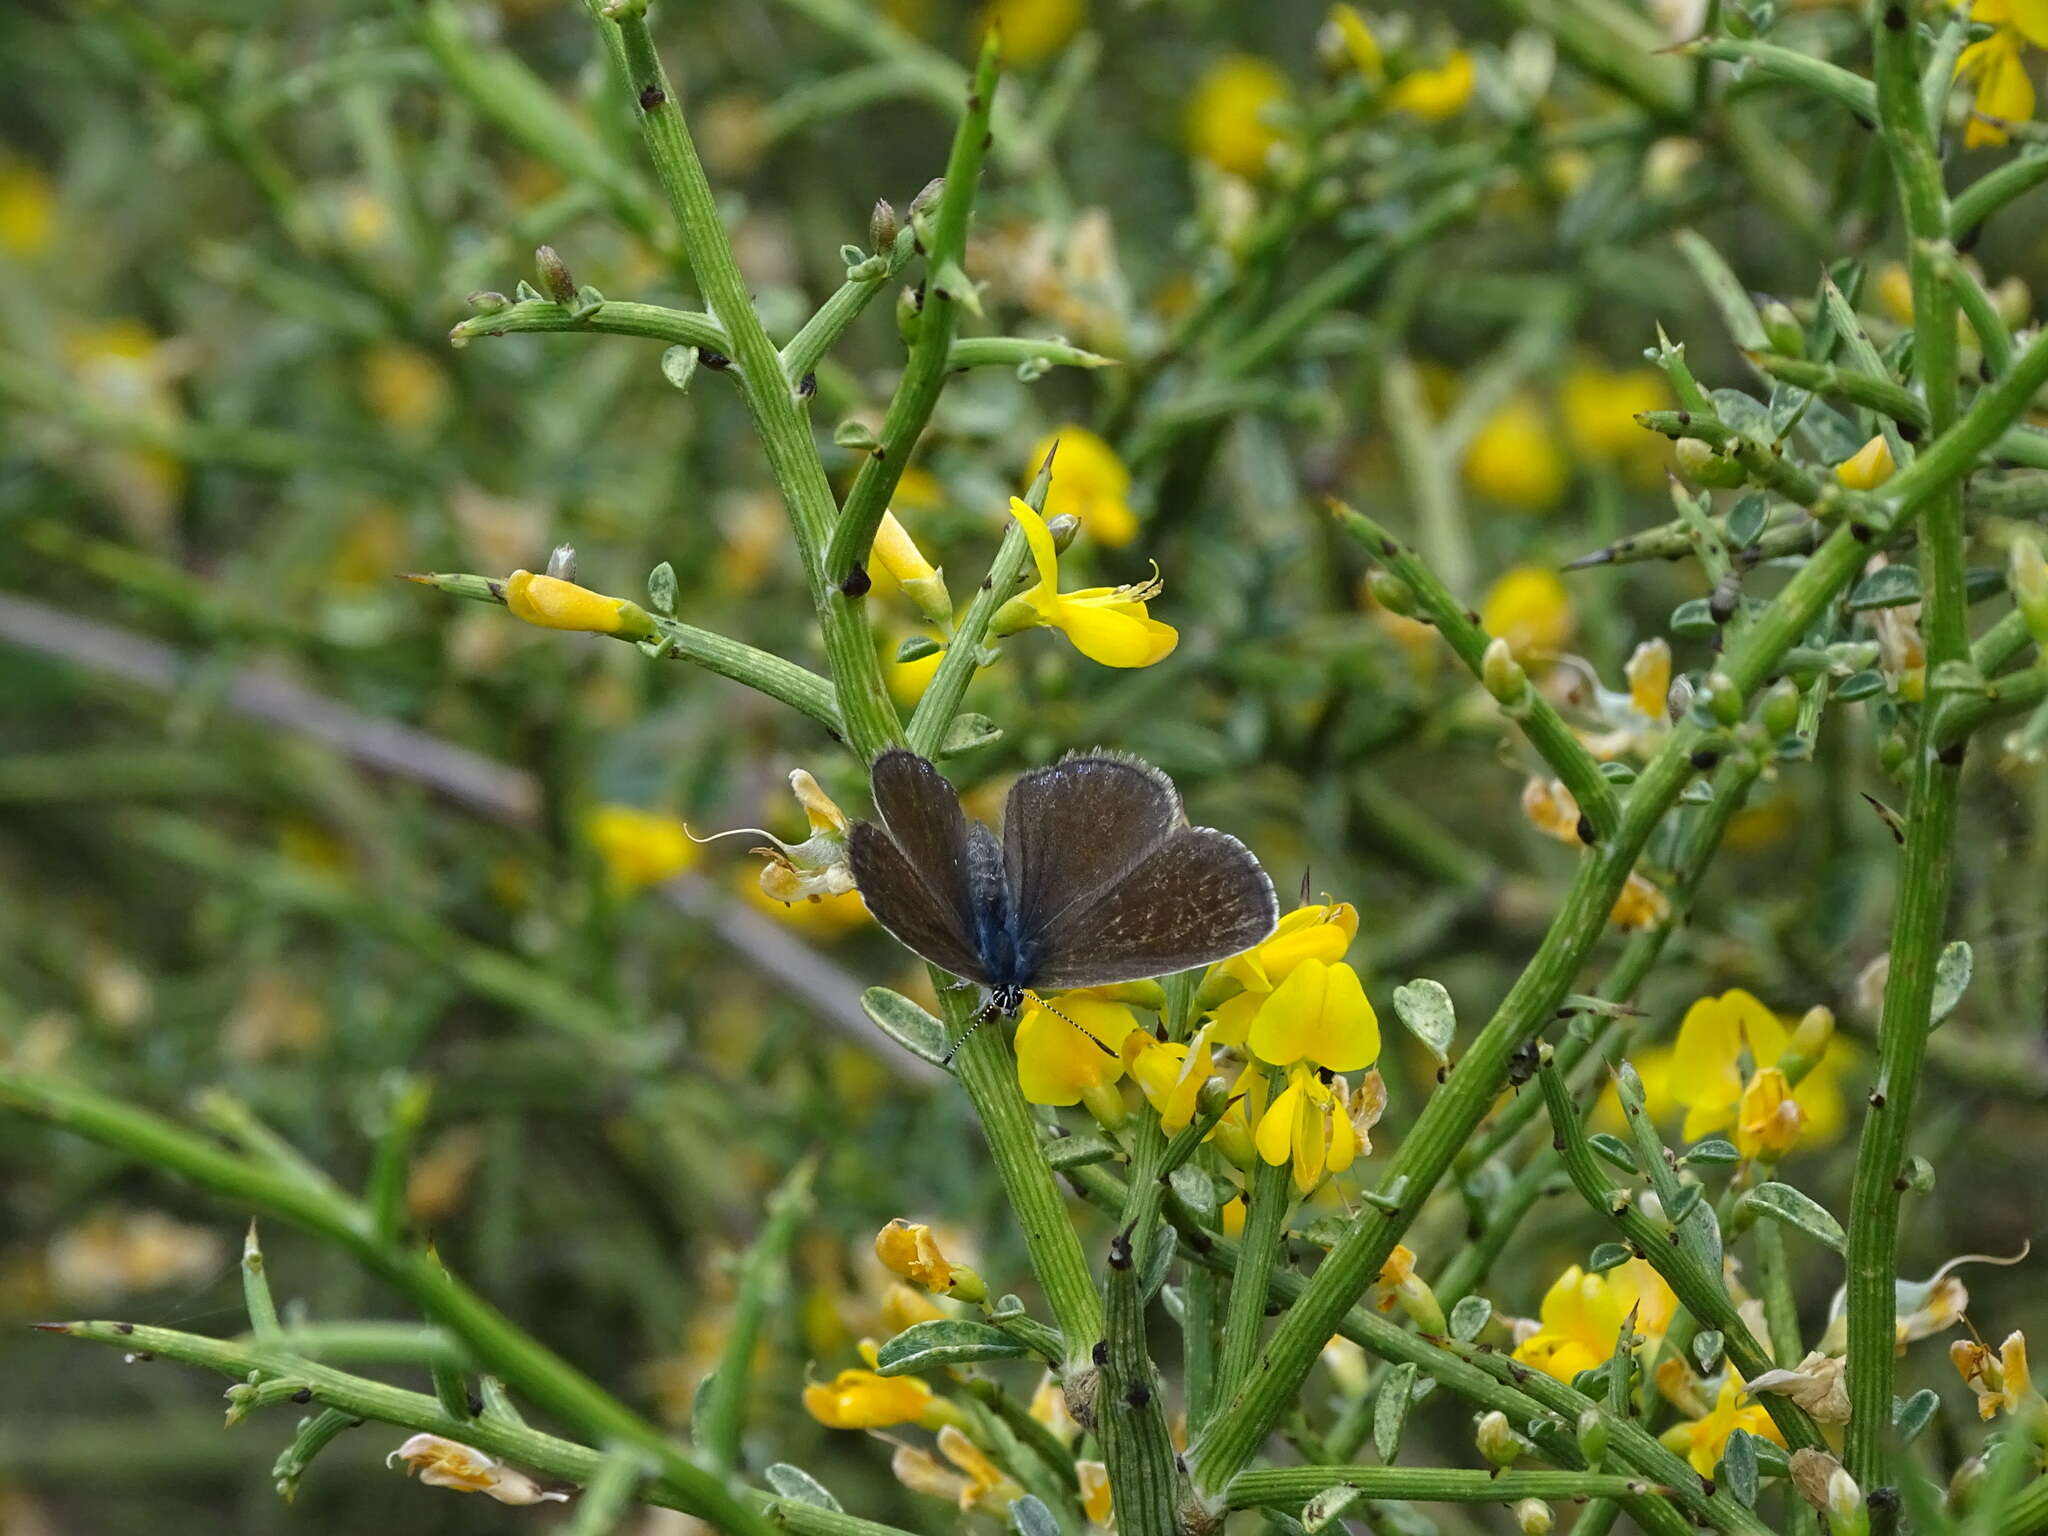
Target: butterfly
[{"x": 1097, "y": 877}]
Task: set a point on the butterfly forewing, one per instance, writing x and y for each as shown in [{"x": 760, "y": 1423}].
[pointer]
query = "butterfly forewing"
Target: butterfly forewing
[
  {"x": 1199, "y": 897},
  {"x": 914, "y": 876},
  {"x": 1073, "y": 829}
]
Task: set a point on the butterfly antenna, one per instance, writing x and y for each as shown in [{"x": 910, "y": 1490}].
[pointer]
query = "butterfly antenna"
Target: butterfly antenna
[
  {"x": 1094, "y": 1040},
  {"x": 987, "y": 1011}
]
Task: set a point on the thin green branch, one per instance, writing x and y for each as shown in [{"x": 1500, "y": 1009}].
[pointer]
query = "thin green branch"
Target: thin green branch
[
  {"x": 761, "y": 1283},
  {"x": 1291, "y": 1487},
  {"x": 614, "y": 317}
]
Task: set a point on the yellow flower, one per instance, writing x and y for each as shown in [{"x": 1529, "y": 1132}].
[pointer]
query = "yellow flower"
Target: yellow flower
[
  {"x": 1706, "y": 1063},
  {"x": 1170, "y": 1074},
  {"x": 1550, "y": 809},
  {"x": 1227, "y": 110},
  {"x": 1435, "y": 94},
  {"x": 552, "y": 603},
  {"x": 909, "y": 1249},
  {"x": 1318, "y": 1017},
  {"x": 817, "y": 866},
  {"x": 2000, "y": 1381},
  {"x": 822, "y": 917},
  {"x": 1033, "y": 30},
  {"x": 896, "y": 553},
  {"x": 862, "y": 1399},
  {"x": 1068, "y": 1055},
  {"x": 1531, "y": 610},
  {"x": 404, "y": 388},
  {"x": 1109, "y": 625},
  {"x": 443, "y": 1463},
  {"x": 1397, "y": 1285},
  {"x": 979, "y": 1481},
  {"x": 1093, "y": 1478},
  {"x": 639, "y": 848},
  {"x": 1998, "y": 69},
  {"x": 1088, "y": 482},
  {"x": 1703, "y": 1440},
  {"x": 1581, "y": 1317},
  {"x": 1869, "y": 467},
  {"x": 113, "y": 1253},
  {"x": 1514, "y": 457},
  {"x": 28, "y": 209},
  {"x": 1600, "y": 406},
  {"x": 1768, "y": 1118},
  {"x": 1358, "y": 42},
  {"x": 1640, "y": 905},
  {"x": 1649, "y": 677},
  {"x": 1320, "y": 931}
]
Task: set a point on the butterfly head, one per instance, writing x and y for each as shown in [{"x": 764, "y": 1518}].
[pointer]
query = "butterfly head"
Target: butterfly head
[{"x": 1006, "y": 1000}]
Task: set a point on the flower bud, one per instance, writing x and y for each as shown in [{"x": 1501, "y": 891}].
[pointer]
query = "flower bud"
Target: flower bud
[
  {"x": 1780, "y": 710},
  {"x": 897, "y": 553},
  {"x": 1782, "y": 328},
  {"x": 1502, "y": 674},
  {"x": 2027, "y": 574},
  {"x": 486, "y": 301},
  {"x": 1533, "y": 1517},
  {"x": 924, "y": 208},
  {"x": 1064, "y": 529},
  {"x": 553, "y": 272},
  {"x": 882, "y": 227},
  {"x": 1497, "y": 1440},
  {"x": 1703, "y": 466},
  {"x": 1844, "y": 1505},
  {"x": 1391, "y": 592},
  {"x": 553, "y": 603},
  {"x": 1891, "y": 753},
  {"x": 1868, "y": 467},
  {"x": 562, "y": 562},
  {"x": 909, "y": 312},
  {"x": 1809, "y": 1042},
  {"x": 909, "y": 1249},
  {"x": 1724, "y": 699},
  {"x": 1592, "y": 1435}
]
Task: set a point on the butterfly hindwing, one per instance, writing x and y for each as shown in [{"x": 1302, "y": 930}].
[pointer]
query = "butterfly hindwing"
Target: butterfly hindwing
[
  {"x": 1199, "y": 897},
  {"x": 1073, "y": 829},
  {"x": 915, "y": 870}
]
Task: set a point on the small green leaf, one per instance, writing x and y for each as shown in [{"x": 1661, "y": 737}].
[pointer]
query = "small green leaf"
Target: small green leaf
[
  {"x": 1951, "y": 978},
  {"x": 1328, "y": 1506},
  {"x": 1746, "y": 520},
  {"x": 1469, "y": 1316},
  {"x": 852, "y": 255},
  {"x": 1914, "y": 1414},
  {"x": 526, "y": 293},
  {"x": 1390, "y": 1410},
  {"x": 945, "y": 1341},
  {"x": 1739, "y": 1468},
  {"x": 1714, "y": 1153},
  {"x": 855, "y": 433},
  {"x": 1859, "y": 685},
  {"x": 1425, "y": 1007},
  {"x": 1618, "y": 773},
  {"x": 679, "y": 366},
  {"x": 799, "y": 1487},
  {"x": 1079, "y": 1151},
  {"x": 1614, "y": 1150},
  {"x": 917, "y": 647},
  {"x": 1028, "y": 1517},
  {"x": 1609, "y": 1256},
  {"x": 1694, "y": 620},
  {"x": 1783, "y": 1203},
  {"x": 1683, "y": 1203},
  {"x": 588, "y": 301},
  {"x": 906, "y": 1023},
  {"x": 661, "y": 589},
  {"x": 1889, "y": 586},
  {"x": 949, "y": 281},
  {"x": 968, "y": 732},
  {"x": 1708, "y": 1345},
  {"x": 1698, "y": 792}
]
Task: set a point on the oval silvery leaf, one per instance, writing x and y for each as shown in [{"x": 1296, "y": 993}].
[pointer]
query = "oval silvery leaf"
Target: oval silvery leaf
[
  {"x": 906, "y": 1023},
  {"x": 1952, "y": 971},
  {"x": 1469, "y": 1316},
  {"x": 799, "y": 1487},
  {"x": 1914, "y": 1414},
  {"x": 1328, "y": 1506},
  {"x": 1425, "y": 1007},
  {"x": 945, "y": 1341},
  {"x": 679, "y": 366},
  {"x": 1028, "y": 1517},
  {"x": 1783, "y": 1203},
  {"x": 967, "y": 732},
  {"x": 1390, "y": 1410},
  {"x": 1739, "y": 1468},
  {"x": 1889, "y": 586},
  {"x": 1609, "y": 1256}
]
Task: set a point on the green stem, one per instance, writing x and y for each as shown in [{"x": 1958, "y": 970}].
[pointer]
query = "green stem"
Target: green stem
[
  {"x": 867, "y": 713},
  {"x": 1130, "y": 1409},
  {"x": 496, "y": 1342},
  {"x": 763, "y": 1278},
  {"x": 809, "y": 345},
  {"x": 1993, "y": 190},
  {"x": 614, "y": 317},
  {"x": 1540, "y": 722},
  {"x": 1265, "y": 1220},
  {"x": 1290, "y": 1487},
  {"x": 988, "y": 1072},
  {"x": 1926, "y": 873},
  {"x": 910, "y": 409}
]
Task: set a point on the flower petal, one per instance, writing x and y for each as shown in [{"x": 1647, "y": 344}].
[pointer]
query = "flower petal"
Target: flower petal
[{"x": 1275, "y": 1137}]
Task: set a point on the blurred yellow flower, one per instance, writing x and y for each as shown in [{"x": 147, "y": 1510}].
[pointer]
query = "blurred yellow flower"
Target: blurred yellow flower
[
  {"x": 112, "y": 1253},
  {"x": 1998, "y": 69},
  {"x": 639, "y": 848},
  {"x": 404, "y": 388},
  {"x": 1998, "y": 1381},
  {"x": 1702, "y": 1441},
  {"x": 1514, "y": 458},
  {"x": 861, "y": 1399},
  {"x": 1354, "y": 36},
  {"x": 907, "y": 680},
  {"x": 1093, "y": 1478},
  {"x": 1435, "y": 94},
  {"x": 28, "y": 209},
  {"x": 1109, "y": 625},
  {"x": 1600, "y": 405},
  {"x": 1088, "y": 482},
  {"x": 978, "y": 1480},
  {"x": 1581, "y": 1316},
  {"x": 1640, "y": 905},
  {"x": 1529, "y": 608},
  {"x": 1649, "y": 677},
  {"x": 1549, "y": 807},
  {"x": 1706, "y": 1062},
  {"x": 1227, "y": 113},
  {"x": 1033, "y": 31},
  {"x": 819, "y": 917}
]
